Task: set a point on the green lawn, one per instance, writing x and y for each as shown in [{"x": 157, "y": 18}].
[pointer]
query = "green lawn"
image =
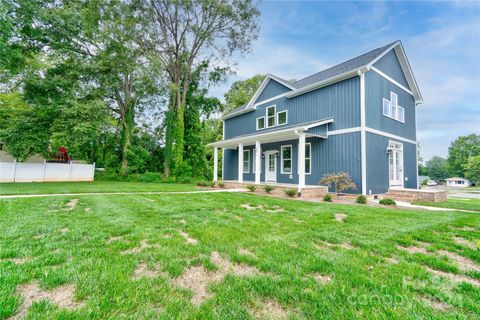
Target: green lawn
[
  {"x": 455, "y": 203},
  {"x": 95, "y": 186},
  {"x": 150, "y": 257}
]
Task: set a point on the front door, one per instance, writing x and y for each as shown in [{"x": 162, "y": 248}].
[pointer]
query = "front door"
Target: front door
[
  {"x": 395, "y": 164},
  {"x": 270, "y": 167}
]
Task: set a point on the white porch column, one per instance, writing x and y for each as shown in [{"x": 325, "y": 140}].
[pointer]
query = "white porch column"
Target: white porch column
[
  {"x": 258, "y": 153},
  {"x": 215, "y": 163},
  {"x": 301, "y": 160},
  {"x": 240, "y": 163}
]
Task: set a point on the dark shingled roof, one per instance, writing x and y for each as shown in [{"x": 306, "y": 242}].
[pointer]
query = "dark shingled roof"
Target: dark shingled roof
[{"x": 336, "y": 70}]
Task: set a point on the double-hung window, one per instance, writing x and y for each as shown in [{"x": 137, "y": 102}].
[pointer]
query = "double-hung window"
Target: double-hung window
[
  {"x": 286, "y": 159},
  {"x": 308, "y": 158},
  {"x": 246, "y": 161},
  {"x": 282, "y": 117},
  {"x": 270, "y": 116}
]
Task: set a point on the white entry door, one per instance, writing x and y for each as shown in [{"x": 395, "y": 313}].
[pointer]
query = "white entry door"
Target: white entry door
[
  {"x": 395, "y": 164},
  {"x": 270, "y": 167}
]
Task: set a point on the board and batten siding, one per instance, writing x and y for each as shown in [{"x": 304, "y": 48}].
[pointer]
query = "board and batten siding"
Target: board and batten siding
[
  {"x": 335, "y": 154},
  {"x": 377, "y": 88},
  {"x": 272, "y": 89},
  {"x": 377, "y": 164},
  {"x": 340, "y": 101},
  {"x": 390, "y": 65}
]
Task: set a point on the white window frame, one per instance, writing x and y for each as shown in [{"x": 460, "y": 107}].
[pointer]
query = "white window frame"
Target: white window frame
[
  {"x": 246, "y": 160},
  {"x": 393, "y": 111},
  {"x": 281, "y": 159},
  {"x": 309, "y": 158},
  {"x": 274, "y": 116},
  {"x": 286, "y": 118},
  {"x": 254, "y": 166},
  {"x": 263, "y": 123}
]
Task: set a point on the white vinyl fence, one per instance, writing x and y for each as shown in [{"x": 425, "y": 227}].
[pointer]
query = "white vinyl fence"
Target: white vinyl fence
[{"x": 39, "y": 172}]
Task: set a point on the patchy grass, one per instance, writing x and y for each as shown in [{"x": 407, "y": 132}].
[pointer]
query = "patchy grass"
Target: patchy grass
[
  {"x": 455, "y": 203},
  {"x": 94, "y": 186},
  {"x": 130, "y": 257}
]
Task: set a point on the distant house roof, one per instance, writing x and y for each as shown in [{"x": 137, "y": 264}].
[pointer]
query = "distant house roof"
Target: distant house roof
[
  {"x": 334, "y": 73},
  {"x": 456, "y": 178}
]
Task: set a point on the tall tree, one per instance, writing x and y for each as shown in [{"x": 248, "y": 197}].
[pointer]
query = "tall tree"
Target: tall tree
[
  {"x": 437, "y": 169},
  {"x": 242, "y": 91},
  {"x": 472, "y": 169},
  {"x": 183, "y": 33},
  {"x": 460, "y": 150}
]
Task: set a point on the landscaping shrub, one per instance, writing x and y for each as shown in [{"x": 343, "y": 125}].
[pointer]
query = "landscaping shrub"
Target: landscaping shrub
[
  {"x": 327, "y": 198},
  {"x": 387, "y": 202},
  {"x": 291, "y": 192},
  {"x": 221, "y": 184},
  {"x": 362, "y": 199},
  {"x": 269, "y": 188},
  {"x": 252, "y": 187},
  {"x": 206, "y": 184}
]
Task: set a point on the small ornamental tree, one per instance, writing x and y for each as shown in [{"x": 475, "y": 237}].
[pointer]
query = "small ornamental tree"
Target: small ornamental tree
[{"x": 340, "y": 182}]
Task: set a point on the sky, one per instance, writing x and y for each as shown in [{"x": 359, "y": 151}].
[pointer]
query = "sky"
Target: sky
[{"x": 441, "y": 40}]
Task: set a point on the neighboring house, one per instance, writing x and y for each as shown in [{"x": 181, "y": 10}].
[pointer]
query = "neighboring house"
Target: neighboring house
[
  {"x": 458, "y": 182},
  {"x": 358, "y": 116}
]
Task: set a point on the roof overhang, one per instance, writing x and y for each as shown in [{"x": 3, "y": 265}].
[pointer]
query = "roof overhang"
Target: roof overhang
[{"x": 289, "y": 133}]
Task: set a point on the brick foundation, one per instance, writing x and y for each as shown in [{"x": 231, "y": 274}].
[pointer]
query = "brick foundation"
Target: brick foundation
[{"x": 411, "y": 195}]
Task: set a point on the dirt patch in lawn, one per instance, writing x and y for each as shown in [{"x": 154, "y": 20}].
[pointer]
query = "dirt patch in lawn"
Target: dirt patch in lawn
[
  {"x": 464, "y": 242},
  {"x": 454, "y": 277},
  {"x": 271, "y": 209},
  {"x": 249, "y": 207},
  {"x": 197, "y": 279},
  {"x": 340, "y": 217},
  {"x": 143, "y": 245},
  {"x": 62, "y": 296},
  {"x": 298, "y": 220},
  {"x": 63, "y": 230},
  {"x": 187, "y": 238},
  {"x": 269, "y": 309},
  {"x": 246, "y": 252},
  {"x": 435, "y": 303},
  {"x": 392, "y": 260},
  {"x": 143, "y": 271},
  {"x": 113, "y": 239},
  {"x": 69, "y": 206},
  {"x": 16, "y": 260},
  {"x": 323, "y": 279},
  {"x": 88, "y": 209},
  {"x": 413, "y": 249},
  {"x": 327, "y": 245},
  {"x": 464, "y": 264},
  {"x": 183, "y": 221},
  {"x": 464, "y": 228}
]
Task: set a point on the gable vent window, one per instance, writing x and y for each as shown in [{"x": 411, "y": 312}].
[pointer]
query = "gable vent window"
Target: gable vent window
[
  {"x": 391, "y": 108},
  {"x": 282, "y": 117},
  {"x": 271, "y": 116}
]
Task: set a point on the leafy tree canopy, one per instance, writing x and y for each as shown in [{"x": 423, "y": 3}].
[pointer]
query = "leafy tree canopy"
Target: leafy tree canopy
[
  {"x": 242, "y": 91},
  {"x": 472, "y": 169},
  {"x": 460, "y": 151},
  {"x": 437, "y": 169}
]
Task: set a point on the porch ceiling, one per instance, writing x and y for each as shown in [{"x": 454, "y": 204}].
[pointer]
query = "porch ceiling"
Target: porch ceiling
[{"x": 287, "y": 133}]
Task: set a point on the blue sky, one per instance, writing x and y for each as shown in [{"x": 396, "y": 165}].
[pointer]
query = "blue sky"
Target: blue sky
[{"x": 441, "y": 39}]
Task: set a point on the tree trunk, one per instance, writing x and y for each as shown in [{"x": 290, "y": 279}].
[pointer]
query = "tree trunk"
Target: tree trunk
[{"x": 127, "y": 126}]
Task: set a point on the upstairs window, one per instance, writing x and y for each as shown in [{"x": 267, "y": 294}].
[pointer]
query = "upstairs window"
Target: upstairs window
[
  {"x": 260, "y": 123},
  {"x": 391, "y": 108},
  {"x": 286, "y": 155},
  {"x": 246, "y": 161},
  {"x": 270, "y": 116},
  {"x": 282, "y": 117}
]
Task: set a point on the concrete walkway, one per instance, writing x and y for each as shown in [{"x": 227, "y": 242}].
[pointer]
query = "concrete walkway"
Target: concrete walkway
[
  {"x": 408, "y": 205},
  {"x": 14, "y": 196}
]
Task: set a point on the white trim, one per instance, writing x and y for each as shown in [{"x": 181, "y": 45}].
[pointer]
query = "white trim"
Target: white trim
[
  {"x": 286, "y": 118},
  {"x": 258, "y": 92},
  {"x": 310, "y": 168},
  {"x": 215, "y": 164},
  {"x": 282, "y": 81},
  {"x": 223, "y": 129},
  {"x": 270, "y": 99},
  {"x": 274, "y": 116},
  {"x": 254, "y": 169},
  {"x": 256, "y": 125},
  {"x": 248, "y": 161},
  {"x": 416, "y": 149},
  {"x": 323, "y": 83},
  {"x": 363, "y": 135},
  {"x": 223, "y": 162},
  {"x": 389, "y": 135},
  {"x": 402, "y": 163},
  {"x": 240, "y": 163},
  {"x": 291, "y": 159},
  {"x": 380, "y": 73},
  {"x": 343, "y": 131},
  {"x": 301, "y": 161},
  {"x": 383, "y": 53}
]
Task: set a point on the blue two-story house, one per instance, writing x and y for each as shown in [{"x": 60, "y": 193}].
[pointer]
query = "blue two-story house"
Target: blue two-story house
[{"x": 357, "y": 117}]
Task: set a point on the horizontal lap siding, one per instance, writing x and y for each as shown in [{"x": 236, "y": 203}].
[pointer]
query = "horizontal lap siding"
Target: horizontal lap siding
[
  {"x": 378, "y": 88},
  {"x": 272, "y": 89},
  {"x": 377, "y": 163},
  {"x": 335, "y": 154},
  {"x": 339, "y": 101}
]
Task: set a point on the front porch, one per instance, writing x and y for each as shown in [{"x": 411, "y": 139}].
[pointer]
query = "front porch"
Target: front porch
[{"x": 278, "y": 157}]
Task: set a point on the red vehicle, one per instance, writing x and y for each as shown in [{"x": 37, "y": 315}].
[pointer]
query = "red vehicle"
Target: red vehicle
[{"x": 61, "y": 157}]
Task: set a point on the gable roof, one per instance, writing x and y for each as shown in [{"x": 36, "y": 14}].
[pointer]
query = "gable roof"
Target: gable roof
[{"x": 336, "y": 73}]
